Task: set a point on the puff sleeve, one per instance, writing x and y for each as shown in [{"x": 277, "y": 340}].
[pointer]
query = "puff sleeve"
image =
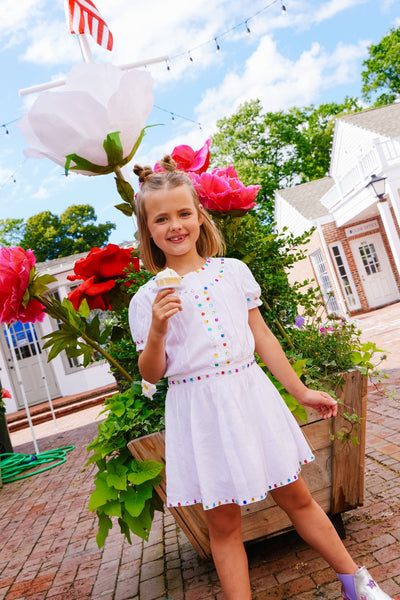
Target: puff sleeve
[
  {"x": 140, "y": 308},
  {"x": 249, "y": 285}
]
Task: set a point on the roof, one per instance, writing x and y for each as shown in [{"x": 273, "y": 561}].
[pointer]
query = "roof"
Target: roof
[
  {"x": 384, "y": 120},
  {"x": 305, "y": 197}
]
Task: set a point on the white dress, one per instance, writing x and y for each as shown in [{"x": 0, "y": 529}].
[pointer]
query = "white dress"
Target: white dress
[{"x": 230, "y": 437}]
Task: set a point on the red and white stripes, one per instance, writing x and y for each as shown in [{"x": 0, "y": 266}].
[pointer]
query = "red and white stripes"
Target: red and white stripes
[{"x": 83, "y": 17}]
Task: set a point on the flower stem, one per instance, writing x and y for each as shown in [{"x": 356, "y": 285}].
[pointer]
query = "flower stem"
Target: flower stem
[
  {"x": 88, "y": 340},
  {"x": 279, "y": 325}
]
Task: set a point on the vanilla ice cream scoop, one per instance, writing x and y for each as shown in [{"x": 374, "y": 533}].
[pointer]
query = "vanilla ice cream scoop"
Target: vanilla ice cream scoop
[{"x": 167, "y": 278}]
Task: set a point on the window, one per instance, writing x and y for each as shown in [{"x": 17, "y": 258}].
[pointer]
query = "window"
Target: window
[
  {"x": 24, "y": 339},
  {"x": 324, "y": 282},
  {"x": 369, "y": 259},
  {"x": 345, "y": 277}
]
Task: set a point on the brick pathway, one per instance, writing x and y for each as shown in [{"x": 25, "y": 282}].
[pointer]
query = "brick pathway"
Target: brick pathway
[{"x": 48, "y": 548}]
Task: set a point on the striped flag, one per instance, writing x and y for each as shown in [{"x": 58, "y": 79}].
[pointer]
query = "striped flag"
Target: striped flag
[{"x": 83, "y": 16}]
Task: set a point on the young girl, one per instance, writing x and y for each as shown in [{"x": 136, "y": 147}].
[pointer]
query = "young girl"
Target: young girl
[{"x": 230, "y": 438}]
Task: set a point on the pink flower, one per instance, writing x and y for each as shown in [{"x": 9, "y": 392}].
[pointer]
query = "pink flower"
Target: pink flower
[
  {"x": 6, "y": 393},
  {"x": 222, "y": 191},
  {"x": 189, "y": 160},
  {"x": 16, "y": 273}
]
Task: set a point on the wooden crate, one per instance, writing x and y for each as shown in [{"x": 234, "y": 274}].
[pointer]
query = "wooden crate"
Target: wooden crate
[{"x": 335, "y": 478}]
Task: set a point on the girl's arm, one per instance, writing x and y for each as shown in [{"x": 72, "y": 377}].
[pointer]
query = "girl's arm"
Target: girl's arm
[
  {"x": 269, "y": 350},
  {"x": 152, "y": 361}
]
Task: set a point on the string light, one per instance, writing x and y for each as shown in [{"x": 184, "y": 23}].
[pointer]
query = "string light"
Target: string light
[
  {"x": 247, "y": 27},
  {"x": 174, "y": 114},
  {"x": 168, "y": 67},
  {"x": 5, "y": 125},
  {"x": 216, "y": 43},
  {"x": 283, "y": 9},
  {"x": 190, "y": 57}
]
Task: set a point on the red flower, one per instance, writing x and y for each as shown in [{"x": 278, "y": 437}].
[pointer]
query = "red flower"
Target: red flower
[
  {"x": 16, "y": 272},
  {"x": 99, "y": 270},
  {"x": 222, "y": 191},
  {"x": 6, "y": 393},
  {"x": 190, "y": 160}
]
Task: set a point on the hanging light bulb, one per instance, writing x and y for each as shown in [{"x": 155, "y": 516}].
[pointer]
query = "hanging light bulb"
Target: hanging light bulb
[
  {"x": 217, "y": 45},
  {"x": 172, "y": 117},
  {"x": 247, "y": 28},
  {"x": 190, "y": 56},
  {"x": 283, "y": 9},
  {"x": 168, "y": 67}
]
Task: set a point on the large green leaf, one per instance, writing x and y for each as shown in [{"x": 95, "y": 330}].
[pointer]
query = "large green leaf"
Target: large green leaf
[
  {"x": 135, "y": 498},
  {"x": 105, "y": 524},
  {"x": 102, "y": 493},
  {"x": 144, "y": 471}
]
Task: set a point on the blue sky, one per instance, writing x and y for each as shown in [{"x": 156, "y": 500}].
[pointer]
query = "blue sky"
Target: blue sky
[{"x": 312, "y": 54}]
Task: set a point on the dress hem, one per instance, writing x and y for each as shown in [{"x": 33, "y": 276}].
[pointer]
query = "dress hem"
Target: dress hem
[{"x": 207, "y": 505}]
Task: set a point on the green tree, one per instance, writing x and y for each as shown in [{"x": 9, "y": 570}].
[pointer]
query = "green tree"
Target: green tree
[
  {"x": 75, "y": 231},
  {"x": 382, "y": 69},
  {"x": 11, "y": 232},
  {"x": 278, "y": 149}
]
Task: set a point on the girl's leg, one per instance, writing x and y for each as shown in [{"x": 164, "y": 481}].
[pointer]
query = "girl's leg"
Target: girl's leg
[
  {"x": 230, "y": 559},
  {"x": 313, "y": 525}
]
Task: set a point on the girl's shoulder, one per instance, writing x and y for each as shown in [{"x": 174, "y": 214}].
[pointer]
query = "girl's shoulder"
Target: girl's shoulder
[{"x": 144, "y": 292}]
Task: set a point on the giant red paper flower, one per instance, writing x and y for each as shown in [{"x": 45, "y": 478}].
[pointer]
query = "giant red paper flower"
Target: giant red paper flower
[
  {"x": 222, "y": 191},
  {"x": 189, "y": 160},
  {"x": 16, "y": 273},
  {"x": 99, "y": 270}
]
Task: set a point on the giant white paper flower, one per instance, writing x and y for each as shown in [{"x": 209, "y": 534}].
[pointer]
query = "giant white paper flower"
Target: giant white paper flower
[{"x": 98, "y": 100}]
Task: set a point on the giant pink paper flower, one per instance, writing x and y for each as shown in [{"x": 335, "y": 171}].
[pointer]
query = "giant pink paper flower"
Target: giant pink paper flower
[
  {"x": 222, "y": 191},
  {"x": 189, "y": 160},
  {"x": 16, "y": 272},
  {"x": 5, "y": 393}
]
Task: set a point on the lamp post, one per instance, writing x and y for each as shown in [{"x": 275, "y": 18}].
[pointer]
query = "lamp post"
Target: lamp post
[{"x": 377, "y": 185}]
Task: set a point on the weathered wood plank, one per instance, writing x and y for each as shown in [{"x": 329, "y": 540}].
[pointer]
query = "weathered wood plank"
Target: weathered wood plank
[{"x": 349, "y": 460}]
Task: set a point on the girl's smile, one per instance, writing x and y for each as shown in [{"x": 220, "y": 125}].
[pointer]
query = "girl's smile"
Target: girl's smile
[{"x": 174, "y": 223}]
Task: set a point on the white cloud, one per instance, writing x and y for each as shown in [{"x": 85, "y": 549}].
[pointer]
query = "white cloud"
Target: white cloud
[
  {"x": 279, "y": 82},
  {"x": 333, "y": 7},
  {"x": 15, "y": 16},
  {"x": 51, "y": 44}
]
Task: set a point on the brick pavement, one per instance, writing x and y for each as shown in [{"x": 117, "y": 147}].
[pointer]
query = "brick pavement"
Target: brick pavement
[{"x": 48, "y": 548}]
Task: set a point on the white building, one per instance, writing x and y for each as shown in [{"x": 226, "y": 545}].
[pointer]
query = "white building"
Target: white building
[
  {"x": 22, "y": 357},
  {"x": 354, "y": 253}
]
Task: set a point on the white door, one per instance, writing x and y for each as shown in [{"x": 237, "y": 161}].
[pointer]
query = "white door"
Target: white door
[
  {"x": 375, "y": 271},
  {"x": 26, "y": 342}
]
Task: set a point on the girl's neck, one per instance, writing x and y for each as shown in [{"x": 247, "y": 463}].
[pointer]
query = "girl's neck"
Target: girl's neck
[{"x": 183, "y": 265}]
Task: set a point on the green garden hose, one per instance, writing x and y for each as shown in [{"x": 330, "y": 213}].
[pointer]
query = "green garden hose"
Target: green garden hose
[{"x": 14, "y": 464}]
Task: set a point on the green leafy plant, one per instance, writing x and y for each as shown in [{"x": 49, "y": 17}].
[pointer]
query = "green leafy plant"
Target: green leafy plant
[{"x": 125, "y": 487}]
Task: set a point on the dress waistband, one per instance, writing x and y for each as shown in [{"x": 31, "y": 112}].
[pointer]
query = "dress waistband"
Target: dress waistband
[{"x": 230, "y": 369}]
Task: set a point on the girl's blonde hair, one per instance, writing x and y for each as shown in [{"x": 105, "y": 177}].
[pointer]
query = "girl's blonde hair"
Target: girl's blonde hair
[{"x": 210, "y": 240}]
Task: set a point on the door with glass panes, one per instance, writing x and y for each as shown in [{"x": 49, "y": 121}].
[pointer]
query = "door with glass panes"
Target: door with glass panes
[
  {"x": 374, "y": 268},
  {"x": 32, "y": 363}
]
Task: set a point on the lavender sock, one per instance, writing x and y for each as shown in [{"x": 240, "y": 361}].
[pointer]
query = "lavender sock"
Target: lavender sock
[{"x": 348, "y": 587}]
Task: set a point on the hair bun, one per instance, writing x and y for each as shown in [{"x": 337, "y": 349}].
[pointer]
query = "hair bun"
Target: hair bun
[
  {"x": 143, "y": 173},
  {"x": 167, "y": 163}
]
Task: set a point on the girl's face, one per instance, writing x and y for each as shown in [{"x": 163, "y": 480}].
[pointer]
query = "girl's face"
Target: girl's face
[{"x": 173, "y": 222}]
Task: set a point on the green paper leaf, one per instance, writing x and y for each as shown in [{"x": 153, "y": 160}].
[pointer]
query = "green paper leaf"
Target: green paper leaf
[
  {"x": 113, "y": 147},
  {"x": 125, "y": 208},
  {"x": 125, "y": 190}
]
